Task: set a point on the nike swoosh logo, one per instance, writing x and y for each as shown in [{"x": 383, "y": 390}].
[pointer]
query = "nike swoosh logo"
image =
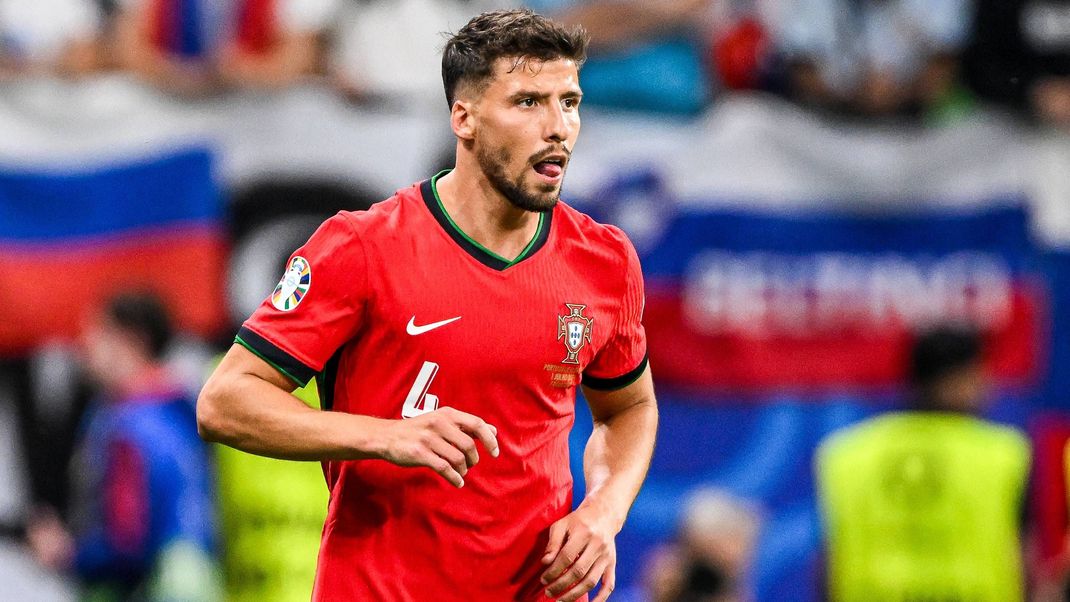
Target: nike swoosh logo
[{"x": 414, "y": 330}]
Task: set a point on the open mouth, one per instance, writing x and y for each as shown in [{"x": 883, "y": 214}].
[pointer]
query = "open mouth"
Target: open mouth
[{"x": 551, "y": 168}]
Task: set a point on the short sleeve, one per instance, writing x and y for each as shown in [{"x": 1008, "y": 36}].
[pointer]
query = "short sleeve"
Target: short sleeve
[
  {"x": 315, "y": 308},
  {"x": 624, "y": 358}
]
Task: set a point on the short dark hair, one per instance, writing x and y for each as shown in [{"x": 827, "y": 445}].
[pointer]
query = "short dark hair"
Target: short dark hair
[
  {"x": 469, "y": 55},
  {"x": 942, "y": 351},
  {"x": 143, "y": 315}
]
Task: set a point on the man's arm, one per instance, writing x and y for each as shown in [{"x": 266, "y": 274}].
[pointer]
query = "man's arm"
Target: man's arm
[
  {"x": 247, "y": 404},
  {"x": 581, "y": 551}
]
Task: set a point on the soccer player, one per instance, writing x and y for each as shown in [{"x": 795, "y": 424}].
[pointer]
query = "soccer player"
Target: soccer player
[{"x": 460, "y": 314}]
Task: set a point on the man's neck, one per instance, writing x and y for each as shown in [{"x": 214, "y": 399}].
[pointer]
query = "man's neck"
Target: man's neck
[{"x": 483, "y": 214}]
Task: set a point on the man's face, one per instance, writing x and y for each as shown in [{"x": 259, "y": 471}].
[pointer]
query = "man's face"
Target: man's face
[
  {"x": 527, "y": 121},
  {"x": 108, "y": 352}
]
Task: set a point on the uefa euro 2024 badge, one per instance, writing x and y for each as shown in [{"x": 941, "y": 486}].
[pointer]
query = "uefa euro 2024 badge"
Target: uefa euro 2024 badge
[
  {"x": 575, "y": 329},
  {"x": 294, "y": 285}
]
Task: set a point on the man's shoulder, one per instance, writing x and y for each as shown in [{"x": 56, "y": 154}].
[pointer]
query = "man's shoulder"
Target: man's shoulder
[
  {"x": 900, "y": 428},
  {"x": 154, "y": 425},
  {"x": 360, "y": 230},
  {"x": 860, "y": 437},
  {"x": 382, "y": 213},
  {"x": 588, "y": 234}
]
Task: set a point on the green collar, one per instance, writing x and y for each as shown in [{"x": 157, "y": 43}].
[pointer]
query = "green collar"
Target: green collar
[{"x": 429, "y": 191}]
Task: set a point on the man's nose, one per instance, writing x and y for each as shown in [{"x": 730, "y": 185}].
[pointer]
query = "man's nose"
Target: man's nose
[{"x": 557, "y": 127}]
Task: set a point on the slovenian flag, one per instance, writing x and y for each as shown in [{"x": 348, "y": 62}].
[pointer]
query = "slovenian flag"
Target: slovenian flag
[{"x": 71, "y": 238}]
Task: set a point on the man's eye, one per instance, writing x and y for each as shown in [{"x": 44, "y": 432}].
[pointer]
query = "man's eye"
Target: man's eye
[{"x": 527, "y": 102}]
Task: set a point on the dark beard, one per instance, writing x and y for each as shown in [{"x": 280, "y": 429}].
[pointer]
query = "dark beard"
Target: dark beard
[{"x": 492, "y": 166}]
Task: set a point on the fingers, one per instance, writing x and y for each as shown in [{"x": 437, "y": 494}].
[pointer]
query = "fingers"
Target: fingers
[
  {"x": 577, "y": 574},
  {"x": 558, "y": 531},
  {"x": 453, "y": 457},
  {"x": 440, "y": 465},
  {"x": 609, "y": 583},
  {"x": 566, "y": 557},
  {"x": 443, "y": 440},
  {"x": 458, "y": 439},
  {"x": 587, "y": 583},
  {"x": 477, "y": 428}
]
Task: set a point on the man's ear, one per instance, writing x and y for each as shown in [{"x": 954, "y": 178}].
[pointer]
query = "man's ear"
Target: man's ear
[{"x": 462, "y": 119}]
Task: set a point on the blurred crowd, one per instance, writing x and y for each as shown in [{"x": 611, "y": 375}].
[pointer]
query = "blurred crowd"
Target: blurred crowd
[{"x": 927, "y": 59}]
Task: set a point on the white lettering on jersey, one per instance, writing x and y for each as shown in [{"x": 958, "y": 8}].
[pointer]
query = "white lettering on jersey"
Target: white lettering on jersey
[{"x": 419, "y": 401}]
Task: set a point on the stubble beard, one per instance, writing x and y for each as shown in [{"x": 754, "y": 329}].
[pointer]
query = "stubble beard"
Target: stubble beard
[{"x": 493, "y": 162}]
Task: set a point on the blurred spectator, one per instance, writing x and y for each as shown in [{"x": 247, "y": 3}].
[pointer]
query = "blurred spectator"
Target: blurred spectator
[
  {"x": 278, "y": 54},
  {"x": 647, "y": 56},
  {"x": 194, "y": 47},
  {"x": 390, "y": 50},
  {"x": 742, "y": 53},
  {"x": 875, "y": 57},
  {"x": 49, "y": 36},
  {"x": 143, "y": 524},
  {"x": 711, "y": 559},
  {"x": 925, "y": 504},
  {"x": 1020, "y": 56}
]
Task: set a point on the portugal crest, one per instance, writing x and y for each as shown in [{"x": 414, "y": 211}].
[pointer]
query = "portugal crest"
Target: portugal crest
[
  {"x": 575, "y": 328},
  {"x": 293, "y": 286}
]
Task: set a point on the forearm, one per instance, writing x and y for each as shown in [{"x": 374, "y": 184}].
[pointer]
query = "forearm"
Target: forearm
[
  {"x": 617, "y": 457},
  {"x": 253, "y": 415}
]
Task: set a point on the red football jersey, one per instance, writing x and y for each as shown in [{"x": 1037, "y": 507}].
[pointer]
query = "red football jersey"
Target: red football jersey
[{"x": 399, "y": 312}]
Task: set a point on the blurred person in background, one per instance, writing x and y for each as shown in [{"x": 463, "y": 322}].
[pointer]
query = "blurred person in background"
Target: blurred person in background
[
  {"x": 1020, "y": 57},
  {"x": 196, "y": 47},
  {"x": 385, "y": 51},
  {"x": 711, "y": 559},
  {"x": 646, "y": 56},
  {"x": 59, "y": 37},
  {"x": 926, "y": 504},
  {"x": 875, "y": 57},
  {"x": 143, "y": 522},
  {"x": 673, "y": 56}
]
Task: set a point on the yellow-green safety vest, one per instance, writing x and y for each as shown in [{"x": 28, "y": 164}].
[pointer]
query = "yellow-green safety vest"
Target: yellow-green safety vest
[{"x": 923, "y": 506}]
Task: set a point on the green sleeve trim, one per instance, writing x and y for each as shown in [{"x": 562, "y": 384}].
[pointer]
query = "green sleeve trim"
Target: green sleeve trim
[{"x": 241, "y": 341}]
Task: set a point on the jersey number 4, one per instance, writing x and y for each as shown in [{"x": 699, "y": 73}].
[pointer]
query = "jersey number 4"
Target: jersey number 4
[{"x": 419, "y": 401}]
